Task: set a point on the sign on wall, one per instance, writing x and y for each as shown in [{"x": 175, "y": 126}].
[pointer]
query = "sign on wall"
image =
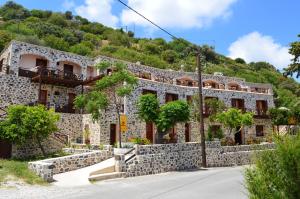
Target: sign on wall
[{"x": 123, "y": 123}]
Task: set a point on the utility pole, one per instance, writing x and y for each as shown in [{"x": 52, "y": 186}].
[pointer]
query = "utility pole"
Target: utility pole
[{"x": 200, "y": 60}]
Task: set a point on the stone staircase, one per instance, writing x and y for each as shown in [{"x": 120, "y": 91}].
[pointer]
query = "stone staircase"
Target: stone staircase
[{"x": 108, "y": 170}]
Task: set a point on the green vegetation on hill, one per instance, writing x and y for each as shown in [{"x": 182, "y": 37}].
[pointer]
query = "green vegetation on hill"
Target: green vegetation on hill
[{"x": 75, "y": 34}]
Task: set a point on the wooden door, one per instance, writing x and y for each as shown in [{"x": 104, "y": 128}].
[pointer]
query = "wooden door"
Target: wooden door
[
  {"x": 149, "y": 131},
  {"x": 68, "y": 70},
  {"x": 187, "y": 132},
  {"x": 43, "y": 97},
  {"x": 71, "y": 99},
  {"x": 113, "y": 134},
  {"x": 5, "y": 149}
]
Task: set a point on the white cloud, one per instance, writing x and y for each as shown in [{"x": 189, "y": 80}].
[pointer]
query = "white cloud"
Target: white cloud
[
  {"x": 99, "y": 11},
  {"x": 257, "y": 47},
  {"x": 68, "y": 4},
  {"x": 177, "y": 13}
]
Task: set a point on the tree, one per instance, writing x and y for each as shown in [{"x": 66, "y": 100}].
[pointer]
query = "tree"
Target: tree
[
  {"x": 213, "y": 105},
  {"x": 11, "y": 10},
  {"x": 164, "y": 117},
  {"x": 5, "y": 39},
  {"x": 234, "y": 118},
  {"x": 169, "y": 56},
  {"x": 58, "y": 19},
  {"x": 276, "y": 172},
  {"x": 24, "y": 123},
  {"x": 57, "y": 43},
  {"x": 81, "y": 49},
  {"x": 110, "y": 90},
  {"x": 68, "y": 15},
  {"x": 240, "y": 61},
  {"x": 148, "y": 108},
  {"x": 284, "y": 116},
  {"x": 294, "y": 67}
]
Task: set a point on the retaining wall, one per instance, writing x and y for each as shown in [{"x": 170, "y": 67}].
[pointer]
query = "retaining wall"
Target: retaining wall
[
  {"x": 49, "y": 167},
  {"x": 153, "y": 159}
]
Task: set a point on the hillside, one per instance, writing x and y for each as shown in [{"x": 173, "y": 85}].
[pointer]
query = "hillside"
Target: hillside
[{"x": 75, "y": 34}]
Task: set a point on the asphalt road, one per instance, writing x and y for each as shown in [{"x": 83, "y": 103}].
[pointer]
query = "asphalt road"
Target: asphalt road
[{"x": 215, "y": 183}]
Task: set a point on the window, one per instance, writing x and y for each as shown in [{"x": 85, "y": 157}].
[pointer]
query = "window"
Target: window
[
  {"x": 261, "y": 107},
  {"x": 238, "y": 103},
  {"x": 259, "y": 130},
  {"x": 41, "y": 63},
  {"x": 189, "y": 99},
  {"x": 145, "y": 91},
  {"x": 171, "y": 97}
]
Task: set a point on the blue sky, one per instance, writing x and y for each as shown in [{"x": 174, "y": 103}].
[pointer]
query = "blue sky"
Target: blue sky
[{"x": 256, "y": 30}]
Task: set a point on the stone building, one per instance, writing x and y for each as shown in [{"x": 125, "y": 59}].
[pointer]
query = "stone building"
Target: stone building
[{"x": 31, "y": 74}]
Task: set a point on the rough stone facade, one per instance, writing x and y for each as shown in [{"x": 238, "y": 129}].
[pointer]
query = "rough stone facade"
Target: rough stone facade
[
  {"x": 174, "y": 157},
  {"x": 15, "y": 89},
  {"x": 49, "y": 167},
  {"x": 31, "y": 148}
]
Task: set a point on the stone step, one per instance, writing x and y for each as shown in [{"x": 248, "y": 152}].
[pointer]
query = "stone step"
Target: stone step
[
  {"x": 109, "y": 169},
  {"x": 106, "y": 176}
]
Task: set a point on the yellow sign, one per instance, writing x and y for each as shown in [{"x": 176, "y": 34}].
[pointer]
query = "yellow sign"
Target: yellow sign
[{"x": 123, "y": 121}]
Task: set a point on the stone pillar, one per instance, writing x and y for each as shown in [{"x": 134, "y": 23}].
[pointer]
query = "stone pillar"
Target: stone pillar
[
  {"x": 52, "y": 64},
  {"x": 84, "y": 71},
  {"x": 120, "y": 163},
  {"x": 161, "y": 97}
]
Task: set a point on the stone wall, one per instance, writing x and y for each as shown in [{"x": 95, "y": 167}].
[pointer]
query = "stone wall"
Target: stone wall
[
  {"x": 49, "y": 167},
  {"x": 31, "y": 148},
  {"x": 153, "y": 159}
]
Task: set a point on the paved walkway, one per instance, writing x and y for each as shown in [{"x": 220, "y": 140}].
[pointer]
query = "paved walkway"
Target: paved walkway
[
  {"x": 80, "y": 177},
  {"x": 214, "y": 183}
]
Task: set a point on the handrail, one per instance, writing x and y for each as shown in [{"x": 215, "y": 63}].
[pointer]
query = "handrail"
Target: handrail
[
  {"x": 128, "y": 152},
  {"x": 63, "y": 138}
]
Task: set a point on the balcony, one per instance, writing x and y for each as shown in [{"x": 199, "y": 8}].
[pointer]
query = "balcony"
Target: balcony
[
  {"x": 69, "y": 108},
  {"x": 53, "y": 77},
  {"x": 261, "y": 114}
]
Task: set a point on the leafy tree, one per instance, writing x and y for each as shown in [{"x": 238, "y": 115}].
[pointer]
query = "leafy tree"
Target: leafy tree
[
  {"x": 294, "y": 68},
  {"x": 23, "y": 123},
  {"x": 57, "y": 43},
  {"x": 276, "y": 173},
  {"x": 110, "y": 90},
  {"x": 68, "y": 15},
  {"x": 164, "y": 117},
  {"x": 240, "y": 61},
  {"x": 172, "y": 113},
  {"x": 130, "y": 34},
  {"x": 213, "y": 105},
  {"x": 58, "y": 19},
  {"x": 81, "y": 49},
  {"x": 169, "y": 56},
  {"x": 41, "y": 13},
  {"x": 11, "y": 10},
  {"x": 234, "y": 118},
  {"x": 148, "y": 108},
  {"x": 5, "y": 39},
  {"x": 283, "y": 116}
]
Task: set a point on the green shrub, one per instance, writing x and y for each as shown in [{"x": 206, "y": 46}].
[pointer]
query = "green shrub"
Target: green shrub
[
  {"x": 57, "y": 43},
  {"x": 276, "y": 174},
  {"x": 81, "y": 49},
  {"x": 140, "y": 141}
]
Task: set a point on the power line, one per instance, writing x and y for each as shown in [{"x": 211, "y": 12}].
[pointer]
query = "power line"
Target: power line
[{"x": 164, "y": 30}]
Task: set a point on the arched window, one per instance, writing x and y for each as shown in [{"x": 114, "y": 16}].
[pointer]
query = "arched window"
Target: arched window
[
  {"x": 211, "y": 84},
  {"x": 234, "y": 86}
]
